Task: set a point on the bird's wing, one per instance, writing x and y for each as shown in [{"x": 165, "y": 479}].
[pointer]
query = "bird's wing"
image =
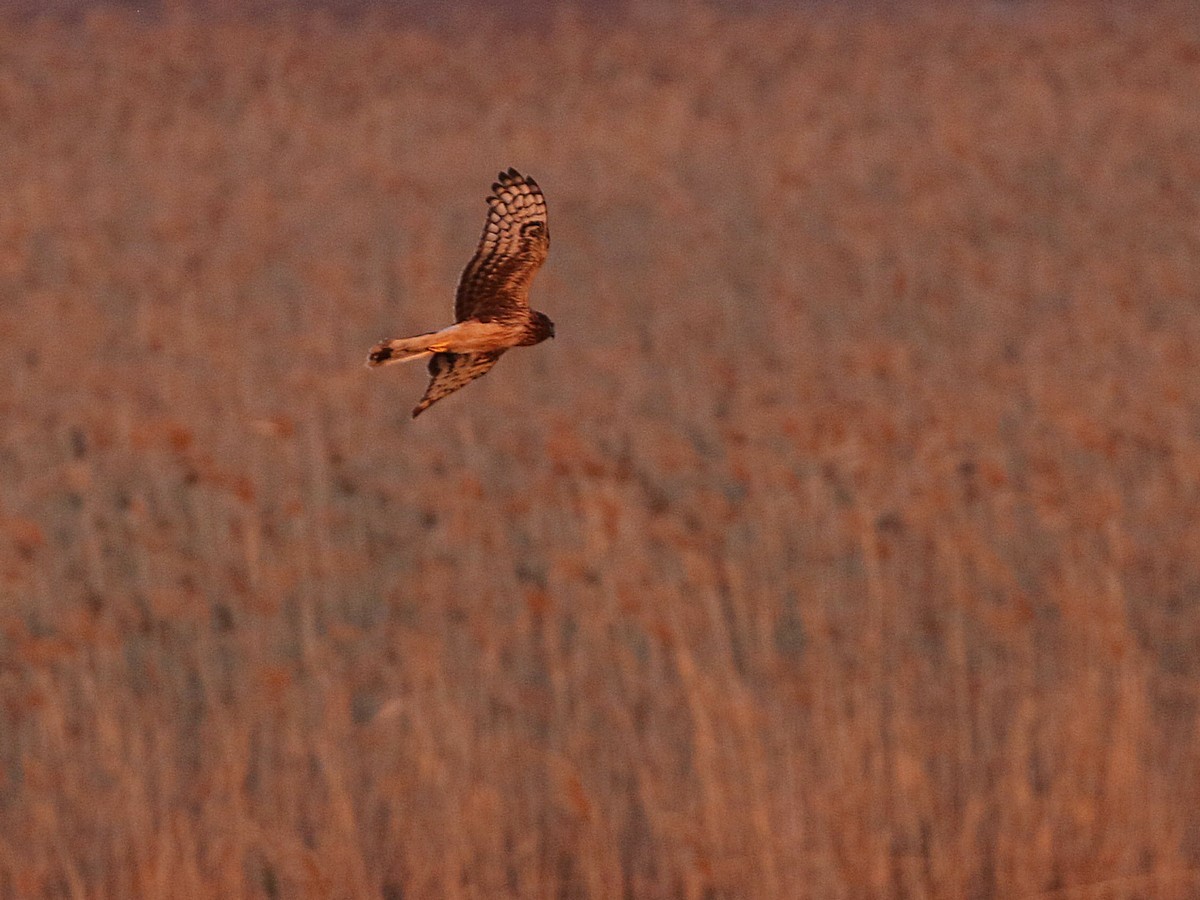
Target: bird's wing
[
  {"x": 515, "y": 243},
  {"x": 450, "y": 371}
]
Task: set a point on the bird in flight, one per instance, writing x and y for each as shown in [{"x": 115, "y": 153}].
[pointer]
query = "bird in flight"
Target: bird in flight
[{"x": 491, "y": 308}]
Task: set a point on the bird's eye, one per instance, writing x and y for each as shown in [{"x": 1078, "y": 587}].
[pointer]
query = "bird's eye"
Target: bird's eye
[{"x": 529, "y": 229}]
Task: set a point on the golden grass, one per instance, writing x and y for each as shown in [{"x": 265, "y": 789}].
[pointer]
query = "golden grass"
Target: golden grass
[{"x": 844, "y": 544}]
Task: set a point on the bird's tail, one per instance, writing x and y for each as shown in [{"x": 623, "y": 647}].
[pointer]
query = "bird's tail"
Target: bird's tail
[{"x": 401, "y": 350}]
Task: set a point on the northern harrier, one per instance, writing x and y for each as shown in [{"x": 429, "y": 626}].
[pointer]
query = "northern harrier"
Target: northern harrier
[{"x": 491, "y": 309}]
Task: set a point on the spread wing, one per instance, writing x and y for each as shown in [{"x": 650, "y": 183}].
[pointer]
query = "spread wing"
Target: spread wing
[
  {"x": 450, "y": 371},
  {"x": 515, "y": 242}
]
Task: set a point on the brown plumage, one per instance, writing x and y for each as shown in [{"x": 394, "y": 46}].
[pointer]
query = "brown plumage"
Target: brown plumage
[{"x": 491, "y": 308}]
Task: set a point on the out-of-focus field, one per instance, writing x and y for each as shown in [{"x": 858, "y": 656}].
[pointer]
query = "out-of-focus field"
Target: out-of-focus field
[{"x": 845, "y": 543}]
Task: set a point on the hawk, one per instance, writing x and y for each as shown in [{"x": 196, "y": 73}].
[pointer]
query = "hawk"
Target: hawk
[{"x": 491, "y": 308}]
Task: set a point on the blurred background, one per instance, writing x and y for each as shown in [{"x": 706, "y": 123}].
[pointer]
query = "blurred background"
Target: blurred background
[{"x": 844, "y": 544}]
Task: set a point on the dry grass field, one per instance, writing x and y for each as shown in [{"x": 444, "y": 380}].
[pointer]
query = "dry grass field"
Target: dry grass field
[{"x": 844, "y": 544}]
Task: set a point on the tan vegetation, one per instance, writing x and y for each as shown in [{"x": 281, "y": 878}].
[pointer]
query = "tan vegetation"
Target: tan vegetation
[{"x": 844, "y": 544}]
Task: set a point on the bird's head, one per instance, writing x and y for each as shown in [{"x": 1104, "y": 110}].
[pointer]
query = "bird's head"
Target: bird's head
[{"x": 542, "y": 326}]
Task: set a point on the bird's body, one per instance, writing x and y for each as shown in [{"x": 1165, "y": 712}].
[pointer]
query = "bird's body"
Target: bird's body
[
  {"x": 471, "y": 336},
  {"x": 491, "y": 307}
]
